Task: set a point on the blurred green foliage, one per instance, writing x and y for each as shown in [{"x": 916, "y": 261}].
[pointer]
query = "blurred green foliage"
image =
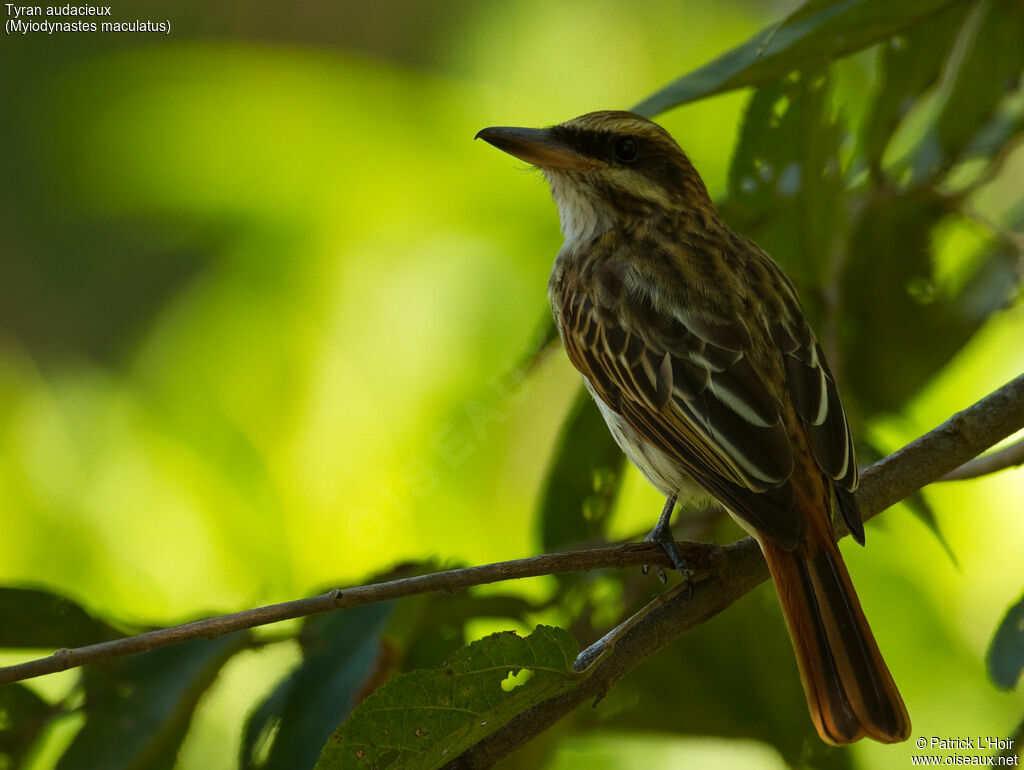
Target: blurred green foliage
[{"x": 263, "y": 307}]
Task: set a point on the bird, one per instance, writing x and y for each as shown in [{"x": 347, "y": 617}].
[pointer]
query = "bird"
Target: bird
[{"x": 693, "y": 343}]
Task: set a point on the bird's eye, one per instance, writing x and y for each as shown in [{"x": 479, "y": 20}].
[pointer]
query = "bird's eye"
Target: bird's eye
[{"x": 626, "y": 149}]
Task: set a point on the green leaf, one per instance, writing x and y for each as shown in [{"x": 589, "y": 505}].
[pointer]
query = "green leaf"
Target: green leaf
[
  {"x": 1006, "y": 653},
  {"x": 426, "y": 718},
  {"x": 898, "y": 315},
  {"x": 36, "y": 618},
  {"x": 340, "y": 653},
  {"x": 23, "y": 717},
  {"x": 583, "y": 478},
  {"x": 988, "y": 142},
  {"x": 909, "y": 65},
  {"x": 429, "y": 629},
  {"x": 989, "y": 70},
  {"x": 138, "y": 709},
  {"x": 785, "y": 185},
  {"x": 816, "y": 34}
]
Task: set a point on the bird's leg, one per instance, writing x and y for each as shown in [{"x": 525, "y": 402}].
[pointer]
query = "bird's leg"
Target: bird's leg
[{"x": 662, "y": 535}]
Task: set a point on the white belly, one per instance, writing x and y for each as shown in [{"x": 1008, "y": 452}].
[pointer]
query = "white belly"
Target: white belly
[{"x": 656, "y": 466}]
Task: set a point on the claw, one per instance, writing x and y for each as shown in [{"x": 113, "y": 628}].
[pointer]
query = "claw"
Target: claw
[{"x": 657, "y": 570}]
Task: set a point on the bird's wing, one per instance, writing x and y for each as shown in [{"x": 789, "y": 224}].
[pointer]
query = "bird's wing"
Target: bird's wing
[
  {"x": 815, "y": 397},
  {"x": 687, "y": 386}
]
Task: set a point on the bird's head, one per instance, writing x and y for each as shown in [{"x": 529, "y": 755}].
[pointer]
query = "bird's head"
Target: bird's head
[{"x": 606, "y": 169}]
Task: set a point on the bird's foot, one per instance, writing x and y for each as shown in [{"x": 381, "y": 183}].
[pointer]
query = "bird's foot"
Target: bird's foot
[{"x": 662, "y": 535}]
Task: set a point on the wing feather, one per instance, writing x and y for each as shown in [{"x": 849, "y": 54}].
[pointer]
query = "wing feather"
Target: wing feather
[
  {"x": 816, "y": 400},
  {"x": 691, "y": 391}
]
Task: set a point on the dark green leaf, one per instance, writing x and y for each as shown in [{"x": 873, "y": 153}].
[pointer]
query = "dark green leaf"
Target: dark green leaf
[
  {"x": 425, "y": 718},
  {"x": 816, "y": 34},
  {"x": 23, "y": 717},
  {"x": 138, "y": 709},
  {"x": 909, "y": 65},
  {"x": 989, "y": 69},
  {"x": 582, "y": 479},
  {"x": 785, "y": 185},
  {"x": 901, "y": 328},
  {"x": 340, "y": 654},
  {"x": 36, "y": 618},
  {"x": 988, "y": 142},
  {"x": 429, "y": 629},
  {"x": 1006, "y": 653}
]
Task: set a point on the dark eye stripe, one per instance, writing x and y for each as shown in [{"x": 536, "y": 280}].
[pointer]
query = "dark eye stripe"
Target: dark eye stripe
[
  {"x": 659, "y": 158},
  {"x": 603, "y": 145}
]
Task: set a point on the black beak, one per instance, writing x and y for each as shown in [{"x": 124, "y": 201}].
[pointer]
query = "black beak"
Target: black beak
[{"x": 537, "y": 146}]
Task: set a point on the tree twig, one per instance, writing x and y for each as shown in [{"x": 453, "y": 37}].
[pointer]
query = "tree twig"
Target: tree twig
[
  {"x": 1007, "y": 457},
  {"x": 449, "y": 581}
]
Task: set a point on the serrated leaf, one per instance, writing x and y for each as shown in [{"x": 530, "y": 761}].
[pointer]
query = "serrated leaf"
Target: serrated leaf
[
  {"x": 37, "y": 618},
  {"x": 582, "y": 480},
  {"x": 430, "y": 628},
  {"x": 816, "y": 34},
  {"x": 1006, "y": 653},
  {"x": 23, "y": 717},
  {"x": 441, "y": 628},
  {"x": 138, "y": 709},
  {"x": 909, "y": 65},
  {"x": 426, "y": 718},
  {"x": 340, "y": 652},
  {"x": 785, "y": 185}
]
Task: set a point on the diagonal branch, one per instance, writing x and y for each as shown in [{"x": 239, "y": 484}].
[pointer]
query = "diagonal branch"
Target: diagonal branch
[
  {"x": 724, "y": 573},
  {"x": 739, "y": 567}
]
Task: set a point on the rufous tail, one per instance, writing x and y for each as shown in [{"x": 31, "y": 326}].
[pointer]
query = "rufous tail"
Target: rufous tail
[{"x": 850, "y": 692}]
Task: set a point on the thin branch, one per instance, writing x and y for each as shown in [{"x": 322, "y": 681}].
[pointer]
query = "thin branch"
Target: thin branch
[
  {"x": 723, "y": 575},
  {"x": 1007, "y": 457},
  {"x": 449, "y": 581},
  {"x": 738, "y": 568}
]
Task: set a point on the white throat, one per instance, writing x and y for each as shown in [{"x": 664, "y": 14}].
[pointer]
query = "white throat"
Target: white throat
[{"x": 582, "y": 213}]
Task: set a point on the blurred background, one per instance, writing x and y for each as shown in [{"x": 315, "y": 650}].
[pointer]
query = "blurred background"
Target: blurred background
[{"x": 262, "y": 300}]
